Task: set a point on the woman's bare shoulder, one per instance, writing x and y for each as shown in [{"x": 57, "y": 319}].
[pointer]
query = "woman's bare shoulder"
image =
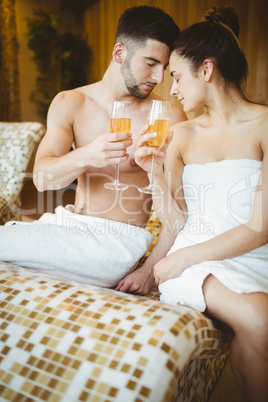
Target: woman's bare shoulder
[
  {"x": 262, "y": 127},
  {"x": 257, "y": 120},
  {"x": 186, "y": 128},
  {"x": 263, "y": 110}
]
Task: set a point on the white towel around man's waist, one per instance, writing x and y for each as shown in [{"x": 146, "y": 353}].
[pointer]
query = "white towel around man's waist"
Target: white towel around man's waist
[{"x": 85, "y": 248}]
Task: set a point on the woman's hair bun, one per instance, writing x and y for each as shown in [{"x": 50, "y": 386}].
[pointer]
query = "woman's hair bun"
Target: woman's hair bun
[{"x": 225, "y": 15}]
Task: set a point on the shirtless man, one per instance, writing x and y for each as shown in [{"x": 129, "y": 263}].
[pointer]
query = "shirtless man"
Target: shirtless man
[{"x": 81, "y": 118}]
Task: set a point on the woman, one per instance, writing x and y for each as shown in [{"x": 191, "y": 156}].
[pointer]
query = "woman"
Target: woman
[{"x": 215, "y": 204}]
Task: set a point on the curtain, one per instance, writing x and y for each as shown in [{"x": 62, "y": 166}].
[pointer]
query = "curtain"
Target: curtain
[{"x": 9, "y": 69}]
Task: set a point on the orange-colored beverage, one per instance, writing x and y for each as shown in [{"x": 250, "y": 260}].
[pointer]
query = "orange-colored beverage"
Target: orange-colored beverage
[
  {"x": 161, "y": 126},
  {"x": 120, "y": 125}
]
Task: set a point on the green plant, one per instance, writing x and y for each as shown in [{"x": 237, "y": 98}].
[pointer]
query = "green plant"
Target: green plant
[{"x": 61, "y": 58}]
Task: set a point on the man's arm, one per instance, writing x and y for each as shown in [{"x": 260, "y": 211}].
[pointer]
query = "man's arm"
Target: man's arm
[{"x": 55, "y": 166}]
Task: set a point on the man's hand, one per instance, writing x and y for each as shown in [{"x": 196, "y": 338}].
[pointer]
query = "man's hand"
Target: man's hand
[
  {"x": 140, "y": 282},
  {"x": 108, "y": 149}
]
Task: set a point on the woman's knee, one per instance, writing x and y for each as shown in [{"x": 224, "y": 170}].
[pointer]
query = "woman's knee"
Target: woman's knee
[
  {"x": 246, "y": 314},
  {"x": 253, "y": 325}
]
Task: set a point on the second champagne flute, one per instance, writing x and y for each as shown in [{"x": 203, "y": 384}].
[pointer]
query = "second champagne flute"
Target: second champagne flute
[
  {"x": 120, "y": 123},
  {"x": 158, "y": 122}
]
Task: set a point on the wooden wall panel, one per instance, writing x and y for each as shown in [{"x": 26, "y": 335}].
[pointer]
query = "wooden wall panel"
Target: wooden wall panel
[{"x": 101, "y": 19}]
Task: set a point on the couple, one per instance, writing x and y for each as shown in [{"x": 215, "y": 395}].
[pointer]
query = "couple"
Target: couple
[
  {"x": 215, "y": 171},
  {"x": 101, "y": 237}
]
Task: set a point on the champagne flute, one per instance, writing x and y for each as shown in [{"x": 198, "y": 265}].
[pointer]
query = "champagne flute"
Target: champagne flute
[
  {"x": 120, "y": 123},
  {"x": 158, "y": 122}
]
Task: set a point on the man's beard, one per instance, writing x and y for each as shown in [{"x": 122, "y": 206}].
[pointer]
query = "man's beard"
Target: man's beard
[{"x": 130, "y": 81}]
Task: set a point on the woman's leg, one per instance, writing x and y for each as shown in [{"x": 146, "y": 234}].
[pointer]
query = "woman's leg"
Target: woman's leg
[{"x": 247, "y": 315}]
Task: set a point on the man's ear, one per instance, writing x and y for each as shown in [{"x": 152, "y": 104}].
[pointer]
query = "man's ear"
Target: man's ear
[
  {"x": 207, "y": 69},
  {"x": 119, "y": 52}
]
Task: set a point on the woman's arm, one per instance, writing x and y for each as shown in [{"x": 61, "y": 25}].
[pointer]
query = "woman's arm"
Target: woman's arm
[
  {"x": 141, "y": 281},
  {"x": 170, "y": 207}
]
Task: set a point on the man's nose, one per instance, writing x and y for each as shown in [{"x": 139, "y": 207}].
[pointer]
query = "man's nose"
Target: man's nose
[{"x": 158, "y": 75}]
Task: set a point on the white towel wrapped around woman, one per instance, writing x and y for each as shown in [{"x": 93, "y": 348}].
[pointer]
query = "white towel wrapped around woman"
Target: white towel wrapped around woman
[
  {"x": 85, "y": 248},
  {"x": 219, "y": 197}
]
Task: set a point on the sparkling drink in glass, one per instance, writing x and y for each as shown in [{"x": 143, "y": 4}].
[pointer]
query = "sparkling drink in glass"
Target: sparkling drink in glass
[
  {"x": 120, "y": 122},
  {"x": 158, "y": 122}
]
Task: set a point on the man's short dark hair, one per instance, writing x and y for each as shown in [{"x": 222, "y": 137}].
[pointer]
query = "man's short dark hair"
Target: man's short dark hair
[{"x": 145, "y": 22}]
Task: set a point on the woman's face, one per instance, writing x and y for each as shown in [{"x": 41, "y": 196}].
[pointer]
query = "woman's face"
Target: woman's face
[{"x": 187, "y": 86}]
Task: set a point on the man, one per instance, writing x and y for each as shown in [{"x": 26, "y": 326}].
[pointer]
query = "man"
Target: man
[{"x": 81, "y": 118}]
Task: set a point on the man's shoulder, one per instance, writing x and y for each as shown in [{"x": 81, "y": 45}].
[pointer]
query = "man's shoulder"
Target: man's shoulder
[
  {"x": 76, "y": 97},
  {"x": 89, "y": 90},
  {"x": 69, "y": 96}
]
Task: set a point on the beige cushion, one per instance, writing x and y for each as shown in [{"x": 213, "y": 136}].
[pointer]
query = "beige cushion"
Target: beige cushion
[{"x": 18, "y": 143}]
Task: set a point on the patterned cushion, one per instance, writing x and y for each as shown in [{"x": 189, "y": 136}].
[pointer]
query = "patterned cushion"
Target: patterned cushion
[
  {"x": 69, "y": 341},
  {"x": 18, "y": 142},
  {"x": 66, "y": 341}
]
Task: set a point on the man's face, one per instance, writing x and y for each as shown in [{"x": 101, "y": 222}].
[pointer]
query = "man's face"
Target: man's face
[{"x": 144, "y": 69}]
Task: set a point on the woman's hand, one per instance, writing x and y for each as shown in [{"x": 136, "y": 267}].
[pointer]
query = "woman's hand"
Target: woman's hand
[
  {"x": 171, "y": 266},
  {"x": 143, "y": 153}
]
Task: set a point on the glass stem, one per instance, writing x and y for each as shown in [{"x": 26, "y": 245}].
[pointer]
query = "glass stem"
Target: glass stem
[
  {"x": 117, "y": 173},
  {"x": 152, "y": 172}
]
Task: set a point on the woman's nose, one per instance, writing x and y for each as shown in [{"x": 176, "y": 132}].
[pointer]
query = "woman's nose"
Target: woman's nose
[{"x": 173, "y": 90}]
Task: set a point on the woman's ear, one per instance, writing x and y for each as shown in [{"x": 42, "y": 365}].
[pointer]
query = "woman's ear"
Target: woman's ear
[
  {"x": 119, "y": 52},
  {"x": 207, "y": 69}
]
